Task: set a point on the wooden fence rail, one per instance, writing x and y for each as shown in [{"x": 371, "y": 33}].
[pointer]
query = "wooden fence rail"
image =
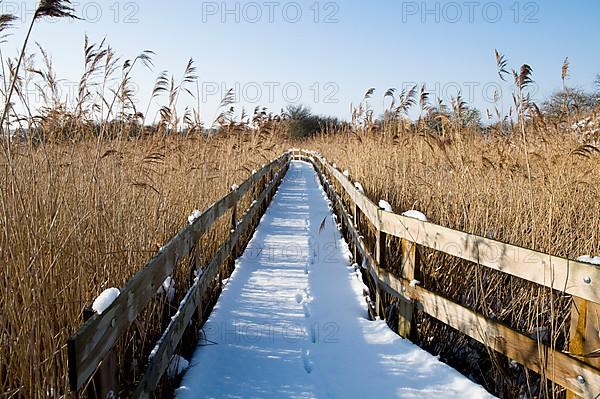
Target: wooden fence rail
[
  {"x": 88, "y": 348},
  {"x": 577, "y": 371}
]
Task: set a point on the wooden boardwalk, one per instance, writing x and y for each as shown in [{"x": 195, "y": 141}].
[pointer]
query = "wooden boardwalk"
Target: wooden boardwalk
[
  {"x": 290, "y": 282},
  {"x": 292, "y": 321}
]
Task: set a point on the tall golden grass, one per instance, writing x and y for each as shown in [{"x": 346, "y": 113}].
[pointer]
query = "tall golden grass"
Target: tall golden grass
[
  {"x": 478, "y": 183},
  {"x": 74, "y": 223},
  {"x": 541, "y": 193}
]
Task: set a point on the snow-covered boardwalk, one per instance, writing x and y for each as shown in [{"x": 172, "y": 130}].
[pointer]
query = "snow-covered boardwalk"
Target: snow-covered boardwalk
[{"x": 292, "y": 322}]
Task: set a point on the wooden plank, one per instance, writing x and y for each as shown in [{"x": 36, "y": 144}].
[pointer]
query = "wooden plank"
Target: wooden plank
[
  {"x": 97, "y": 336},
  {"x": 104, "y": 384},
  {"x": 410, "y": 261},
  {"x": 550, "y": 271},
  {"x": 197, "y": 269},
  {"x": 585, "y": 334},
  {"x": 585, "y": 331},
  {"x": 410, "y": 271},
  {"x": 234, "y": 227},
  {"x": 356, "y": 221},
  {"x": 380, "y": 245},
  {"x": 406, "y": 311},
  {"x": 556, "y": 366},
  {"x": 174, "y": 332}
]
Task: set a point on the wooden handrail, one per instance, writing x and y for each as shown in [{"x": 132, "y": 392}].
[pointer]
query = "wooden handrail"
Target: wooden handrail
[
  {"x": 94, "y": 340},
  {"x": 172, "y": 335},
  {"x": 571, "y": 277}
]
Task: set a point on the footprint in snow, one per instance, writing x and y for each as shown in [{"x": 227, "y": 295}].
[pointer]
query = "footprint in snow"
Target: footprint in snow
[
  {"x": 306, "y": 307},
  {"x": 314, "y": 334},
  {"x": 308, "y": 364}
]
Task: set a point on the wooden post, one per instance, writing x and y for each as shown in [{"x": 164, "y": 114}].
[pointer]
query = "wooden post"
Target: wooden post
[
  {"x": 380, "y": 258},
  {"x": 195, "y": 263},
  {"x": 410, "y": 261},
  {"x": 357, "y": 228},
  {"x": 234, "y": 216},
  {"x": 262, "y": 186},
  {"x": 104, "y": 384},
  {"x": 255, "y": 194},
  {"x": 270, "y": 175},
  {"x": 234, "y": 226},
  {"x": 585, "y": 338},
  {"x": 410, "y": 271},
  {"x": 198, "y": 267}
]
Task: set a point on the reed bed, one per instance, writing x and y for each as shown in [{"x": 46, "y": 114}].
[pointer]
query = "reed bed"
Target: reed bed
[
  {"x": 480, "y": 184},
  {"x": 541, "y": 192},
  {"x": 82, "y": 217}
]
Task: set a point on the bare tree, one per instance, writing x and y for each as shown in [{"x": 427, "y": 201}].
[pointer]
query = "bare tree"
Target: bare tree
[{"x": 297, "y": 112}]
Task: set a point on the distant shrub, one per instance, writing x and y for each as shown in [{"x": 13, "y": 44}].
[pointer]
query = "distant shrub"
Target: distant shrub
[
  {"x": 570, "y": 102},
  {"x": 302, "y": 124}
]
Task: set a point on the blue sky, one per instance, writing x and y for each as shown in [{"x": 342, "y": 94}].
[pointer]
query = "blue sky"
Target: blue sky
[{"x": 327, "y": 54}]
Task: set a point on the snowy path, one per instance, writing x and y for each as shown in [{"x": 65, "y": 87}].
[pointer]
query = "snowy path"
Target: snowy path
[{"x": 292, "y": 323}]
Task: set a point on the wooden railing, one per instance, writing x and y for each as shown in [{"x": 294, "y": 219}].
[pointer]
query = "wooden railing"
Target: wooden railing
[
  {"x": 91, "y": 346},
  {"x": 577, "y": 371}
]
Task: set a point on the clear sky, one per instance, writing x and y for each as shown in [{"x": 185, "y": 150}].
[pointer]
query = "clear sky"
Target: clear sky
[{"x": 327, "y": 54}]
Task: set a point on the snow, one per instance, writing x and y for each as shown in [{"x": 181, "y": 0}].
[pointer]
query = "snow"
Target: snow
[
  {"x": 198, "y": 273},
  {"x": 154, "y": 350},
  {"x": 416, "y": 215},
  {"x": 293, "y": 322},
  {"x": 385, "y": 206},
  {"x": 594, "y": 260},
  {"x": 359, "y": 187},
  {"x": 105, "y": 299},
  {"x": 414, "y": 283},
  {"x": 177, "y": 366},
  {"x": 540, "y": 333},
  {"x": 167, "y": 288},
  {"x": 195, "y": 215}
]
